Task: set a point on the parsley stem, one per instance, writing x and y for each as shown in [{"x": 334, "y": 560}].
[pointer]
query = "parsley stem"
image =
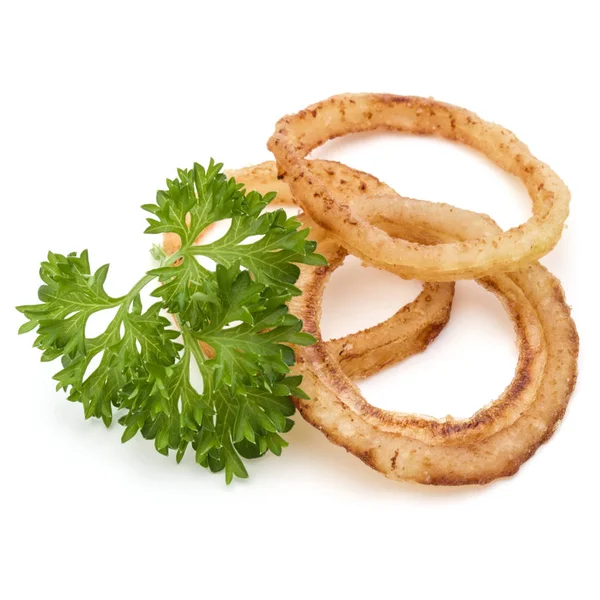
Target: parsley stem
[
  {"x": 192, "y": 343},
  {"x": 126, "y": 300},
  {"x": 137, "y": 288}
]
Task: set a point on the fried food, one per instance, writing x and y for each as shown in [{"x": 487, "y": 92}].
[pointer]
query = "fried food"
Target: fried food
[
  {"x": 297, "y": 135},
  {"x": 496, "y": 440}
]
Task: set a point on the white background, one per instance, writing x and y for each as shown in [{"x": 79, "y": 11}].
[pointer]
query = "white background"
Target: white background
[{"x": 100, "y": 102}]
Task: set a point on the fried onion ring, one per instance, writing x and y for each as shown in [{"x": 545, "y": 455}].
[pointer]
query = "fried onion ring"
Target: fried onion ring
[
  {"x": 496, "y": 251},
  {"x": 496, "y": 440}
]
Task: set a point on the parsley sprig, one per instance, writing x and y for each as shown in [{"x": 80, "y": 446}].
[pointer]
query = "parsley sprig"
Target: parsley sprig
[{"x": 233, "y": 326}]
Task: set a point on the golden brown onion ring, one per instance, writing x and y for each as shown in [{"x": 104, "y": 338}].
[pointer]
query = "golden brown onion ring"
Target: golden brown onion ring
[
  {"x": 496, "y": 440},
  {"x": 407, "y": 332},
  {"x": 296, "y": 135},
  {"x": 523, "y": 388}
]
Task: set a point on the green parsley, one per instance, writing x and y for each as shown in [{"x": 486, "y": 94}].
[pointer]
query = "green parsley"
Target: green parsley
[{"x": 233, "y": 326}]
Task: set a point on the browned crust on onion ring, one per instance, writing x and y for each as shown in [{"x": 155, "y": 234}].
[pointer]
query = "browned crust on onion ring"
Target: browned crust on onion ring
[
  {"x": 444, "y": 451},
  {"x": 296, "y": 135}
]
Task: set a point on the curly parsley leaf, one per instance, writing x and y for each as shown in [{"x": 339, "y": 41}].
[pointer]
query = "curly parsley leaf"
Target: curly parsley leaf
[{"x": 234, "y": 328}]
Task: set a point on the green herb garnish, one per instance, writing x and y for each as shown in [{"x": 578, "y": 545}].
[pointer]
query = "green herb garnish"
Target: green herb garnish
[{"x": 233, "y": 326}]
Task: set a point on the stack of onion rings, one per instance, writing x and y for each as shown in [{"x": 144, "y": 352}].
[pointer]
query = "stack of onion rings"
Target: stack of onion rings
[{"x": 353, "y": 212}]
